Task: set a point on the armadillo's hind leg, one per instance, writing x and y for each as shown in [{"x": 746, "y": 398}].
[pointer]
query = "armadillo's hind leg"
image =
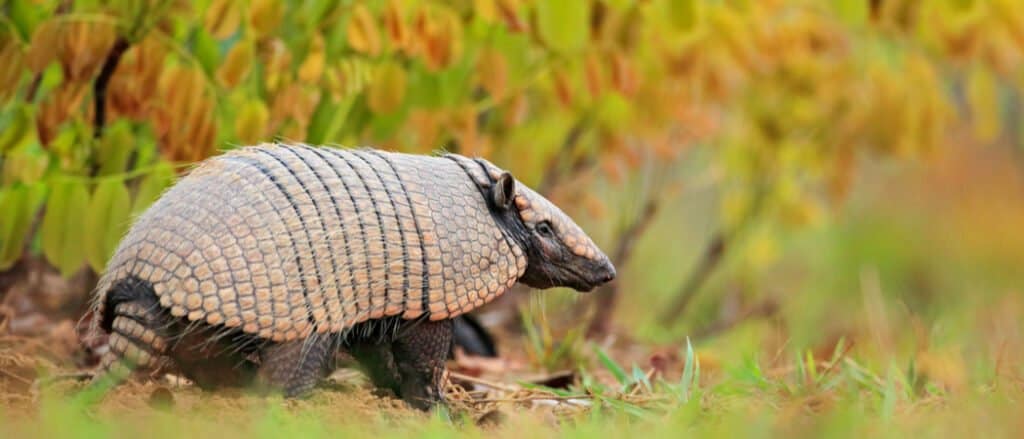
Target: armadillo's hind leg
[
  {"x": 420, "y": 353},
  {"x": 295, "y": 367},
  {"x": 137, "y": 343}
]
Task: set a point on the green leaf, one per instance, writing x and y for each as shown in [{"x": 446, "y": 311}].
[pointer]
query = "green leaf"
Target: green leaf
[
  {"x": 25, "y": 15},
  {"x": 853, "y": 12},
  {"x": 689, "y": 368},
  {"x": 612, "y": 366},
  {"x": 19, "y": 204},
  {"x": 63, "y": 228},
  {"x": 115, "y": 148},
  {"x": 563, "y": 25},
  {"x": 106, "y": 220},
  {"x": 328, "y": 120},
  {"x": 683, "y": 14},
  {"x": 206, "y": 50},
  {"x": 152, "y": 186},
  {"x": 16, "y": 126}
]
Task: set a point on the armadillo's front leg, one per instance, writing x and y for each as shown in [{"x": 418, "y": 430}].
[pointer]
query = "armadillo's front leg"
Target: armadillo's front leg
[
  {"x": 379, "y": 363},
  {"x": 420, "y": 354},
  {"x": 295, "y": 367}
]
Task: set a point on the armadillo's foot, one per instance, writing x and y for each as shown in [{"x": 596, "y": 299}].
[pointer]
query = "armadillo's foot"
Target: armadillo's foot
[
  {"x": 420, "y": 354},
  {"x": 379, "y": 364},
  {"x": 294, "y": 368},
  {"x": 137, "y": 345}
]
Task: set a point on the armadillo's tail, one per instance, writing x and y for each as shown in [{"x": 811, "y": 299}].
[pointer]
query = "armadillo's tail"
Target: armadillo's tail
[{"x": 137, "y": 342}]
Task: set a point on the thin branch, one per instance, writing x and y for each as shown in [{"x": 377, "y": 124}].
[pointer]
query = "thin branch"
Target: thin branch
[
  {"x": 721, "y": 242},
  {"x": 708, "y": 263},
  {"x": 554, "y": 174},
  {"x": 764, "y": 309},
  {"x": 99, "y": 89},
  {"x": 606, "y": 297}
]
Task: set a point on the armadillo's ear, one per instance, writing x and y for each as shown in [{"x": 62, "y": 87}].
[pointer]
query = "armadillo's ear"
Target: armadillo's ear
[{"x": 503, "y": 192}]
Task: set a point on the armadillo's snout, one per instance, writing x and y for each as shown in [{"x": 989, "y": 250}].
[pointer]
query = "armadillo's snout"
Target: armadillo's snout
[{"x": 607, "y": 272}]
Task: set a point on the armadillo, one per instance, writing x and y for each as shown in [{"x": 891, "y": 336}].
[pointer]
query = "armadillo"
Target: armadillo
[{"x": 261, "y": 264}]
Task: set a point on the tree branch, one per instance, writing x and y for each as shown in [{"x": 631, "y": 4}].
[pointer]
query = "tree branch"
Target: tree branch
[
  {"x": 606, "y": 297},
  {"x": 554, "y": 174},
  {"x": 99, "y": 88},
  {"x": 713, "y": 253},
  {"x": 721, "y": 242}
]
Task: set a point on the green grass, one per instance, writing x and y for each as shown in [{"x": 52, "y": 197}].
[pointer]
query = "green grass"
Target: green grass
[{"x": 896, "y": 318}]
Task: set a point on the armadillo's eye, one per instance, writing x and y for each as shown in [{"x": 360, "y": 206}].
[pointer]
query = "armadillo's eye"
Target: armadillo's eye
[{"x": 544, "y": 229}]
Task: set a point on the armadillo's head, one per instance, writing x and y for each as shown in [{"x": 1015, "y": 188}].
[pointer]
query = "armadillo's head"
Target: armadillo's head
[{"x": 558, "y": 252}]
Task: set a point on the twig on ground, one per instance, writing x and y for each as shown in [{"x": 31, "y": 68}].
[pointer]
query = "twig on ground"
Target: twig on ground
[
  {"x": 16, "y": 377},
  {"x": 481, "y": 381}
]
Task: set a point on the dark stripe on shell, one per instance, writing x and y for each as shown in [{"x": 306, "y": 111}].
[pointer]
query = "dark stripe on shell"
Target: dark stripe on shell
[
  {"x": 323, "y": 228},
  {"x": 344, "y": 230},
  {"x": 260, "y": 166},
  {"x": 401, "y": 232},
  {"x": 425, "y": 289}
]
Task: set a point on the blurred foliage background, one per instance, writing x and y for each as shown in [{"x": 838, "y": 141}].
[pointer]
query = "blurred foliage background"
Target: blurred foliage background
[{"x": 770, "y": 176}]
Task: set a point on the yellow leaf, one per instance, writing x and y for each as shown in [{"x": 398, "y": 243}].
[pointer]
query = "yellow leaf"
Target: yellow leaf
[
  {"x": 251, "y": 122},
  {"x": 387, "y": 89},
  {"x": 363, "y": 32},
  {"x": 563, "y": 25},
  {"x": 485, "y": 10},
  {"x": 12, "y": 65},
  {"x": 983, "y": 99},
  {"x": 265, "y": 16},
  {"x": 277, "y": 62},
  {"x": 312, "y": 67},
  {"x": 222, "y": 18},
  {"x": 236, "y": 65}
]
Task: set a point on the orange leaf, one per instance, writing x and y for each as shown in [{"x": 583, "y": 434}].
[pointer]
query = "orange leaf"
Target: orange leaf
[
  {"x": 397, "y": 30},
  {"x": 63, "y": 101},
  {"x": 492, "y": 72},
  {"x": 134, "y": 83},
  {"x": 563, "y": 87},
  {"x": 509, "y": 10},
  {"x": 439, "y": 34},
  {"x": 623, "y": 77},
  {"x": 592, "y": 69},
  {"x": 41, "y": 48},
  {"x": 83, "y": 47}
]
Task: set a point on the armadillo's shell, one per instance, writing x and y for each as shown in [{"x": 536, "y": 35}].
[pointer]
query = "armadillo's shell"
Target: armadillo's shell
[{"x": 285, "y": 241}]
